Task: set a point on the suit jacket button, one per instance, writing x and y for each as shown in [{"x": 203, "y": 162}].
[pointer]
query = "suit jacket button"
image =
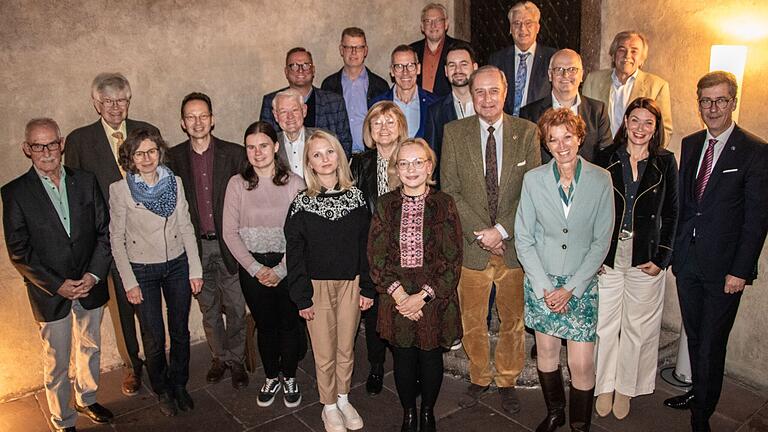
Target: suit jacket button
[
  {"x": 698, "y": 213},
  {"x": 653, "y": 216},
  {"x": 565, "y": 247},
  {"x": 565, "y": 230}
]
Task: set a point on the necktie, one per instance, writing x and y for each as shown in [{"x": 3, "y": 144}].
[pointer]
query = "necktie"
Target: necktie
[
  {"x": 520, "y": 75},
  {"x": 119, "y": 139},
  {"x": 706, "y": 169},
  {"x": 491, "y": 175}
]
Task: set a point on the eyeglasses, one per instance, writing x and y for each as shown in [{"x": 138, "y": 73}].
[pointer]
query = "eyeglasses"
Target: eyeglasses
[
  {"x": 353, "y": 48},
  {"x": 152, "y": 153},
  {"x": 721, "y": 103},
  {"x": 399, "y": 67},
  {"x": 201, "y": 117},
  {"x": 432, "y": 22},
  {"x": 404, "y": 165},
  {"x": 51, "y": 146},
  {"x": 561, "y": 71},
  {"x": 378, "y": 124},
  {"x": 122, "y": 102},
  {"x": 520, "y": 24},
  {"x": 295, "y": 67}
]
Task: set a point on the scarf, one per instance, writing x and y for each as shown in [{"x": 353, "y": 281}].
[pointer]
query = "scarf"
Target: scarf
[{"x": 160, "y": 199}]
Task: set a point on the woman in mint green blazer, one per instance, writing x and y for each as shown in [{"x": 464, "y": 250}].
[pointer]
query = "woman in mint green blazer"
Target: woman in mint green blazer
[{"x": 563, "y": 231}]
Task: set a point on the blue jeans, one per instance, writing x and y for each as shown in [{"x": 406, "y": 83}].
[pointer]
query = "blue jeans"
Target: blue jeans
[{"x": 169, "y": 280}]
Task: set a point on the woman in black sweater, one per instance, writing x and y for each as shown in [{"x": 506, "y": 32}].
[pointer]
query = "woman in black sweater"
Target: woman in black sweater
[{"x": 326, "y": 236}]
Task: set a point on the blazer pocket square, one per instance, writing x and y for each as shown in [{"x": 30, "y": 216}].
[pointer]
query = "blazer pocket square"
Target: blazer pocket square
[
  {"x": 730, "y": 170},
  {"x": 521, "y": 163}
]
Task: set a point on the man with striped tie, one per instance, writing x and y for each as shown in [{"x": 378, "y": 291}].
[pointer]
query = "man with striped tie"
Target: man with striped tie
[{"x": 721, "y": 230}]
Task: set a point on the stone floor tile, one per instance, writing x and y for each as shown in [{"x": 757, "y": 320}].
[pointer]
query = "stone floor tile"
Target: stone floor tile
[
  {"x": 721, "y": 423},
  {"x": 208, "y": 415},
  {"x": 287, "y": 423},
  {"x": 199, "y": 363},
  {"x": 111, "y": 396},
  {"x": 23, "y": 415},
  {"x": 82, "y": 423},
  {"x": 738, "y": 402},
  {"x": 380, "y": 413},
  {"x": 242, "y": 403},
  {"x": 478, "y": 419},
  {"x": 532, "y": 408},
  {"x": 648, "y": 413}
]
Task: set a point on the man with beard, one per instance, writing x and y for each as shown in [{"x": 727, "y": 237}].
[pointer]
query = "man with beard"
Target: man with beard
[{"x": 459, "y": 65}]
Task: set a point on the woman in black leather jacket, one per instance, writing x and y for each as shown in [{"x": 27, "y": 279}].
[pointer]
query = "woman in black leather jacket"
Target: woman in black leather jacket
[
  {"x": 632, "y": 282},
  {"x": 384, "y": 127}
]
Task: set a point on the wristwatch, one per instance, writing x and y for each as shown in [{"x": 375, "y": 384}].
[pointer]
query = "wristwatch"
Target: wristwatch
[{"x": 426, "y": 297}]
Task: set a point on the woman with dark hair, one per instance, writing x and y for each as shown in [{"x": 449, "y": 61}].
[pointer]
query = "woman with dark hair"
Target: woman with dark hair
[
  {"x": 155, "y": 251},
  {"x": 415, "y": 251},
  {"x": 562, "y": 233},
  {"x": 383, "y": 128},
  {"x": 632, "y": 282},
  {"x": 255, "y": 206}
]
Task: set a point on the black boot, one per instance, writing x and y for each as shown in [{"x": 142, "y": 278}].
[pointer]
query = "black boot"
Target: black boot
[
  {"x": 554, "y": 396},
  {"x": 427, "y": 419},
  {"x": 410, "y": 420},
  {"x": 580, "y": 409}
]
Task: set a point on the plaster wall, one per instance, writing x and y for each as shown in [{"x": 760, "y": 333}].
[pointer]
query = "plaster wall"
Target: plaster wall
[
  {"x": 233, "y": 50},
  {"x": 680, "y": 36}
]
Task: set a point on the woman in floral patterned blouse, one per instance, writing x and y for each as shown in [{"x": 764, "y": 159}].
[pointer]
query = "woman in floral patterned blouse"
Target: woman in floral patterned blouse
[{"x": 415, "y": 257}]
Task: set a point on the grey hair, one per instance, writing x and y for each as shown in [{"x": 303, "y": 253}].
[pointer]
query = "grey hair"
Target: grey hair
[
  {"x": 287, "y": 93},
  {"x": 41, "y": 122},
  {"x": 112, "y": 80}
]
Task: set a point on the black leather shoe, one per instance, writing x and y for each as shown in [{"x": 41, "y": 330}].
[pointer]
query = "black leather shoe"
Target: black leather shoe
[
  {"x": 239, "y": 375},
  {"x": 682, "y": 402},
  {"x": 374, "y": 383},
  {"x": 183, "y": 399},
  {"x": 95, "y": 412},
  {"x": 216, "y": 372},
  {"x": 427, "y": 420},
  {"x": 410, "y": 420},
  {"x": 166, "y": 404}
]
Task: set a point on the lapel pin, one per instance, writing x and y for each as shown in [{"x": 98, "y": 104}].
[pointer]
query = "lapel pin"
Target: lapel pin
[
  {"x": 733, "y": 147},
  {"x": 514, "y": 136}
]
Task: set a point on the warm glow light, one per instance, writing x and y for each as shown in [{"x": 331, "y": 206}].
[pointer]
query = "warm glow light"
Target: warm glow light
[
  {"x": 746, "y": 27},
  {"x": 733, "y": 59}
]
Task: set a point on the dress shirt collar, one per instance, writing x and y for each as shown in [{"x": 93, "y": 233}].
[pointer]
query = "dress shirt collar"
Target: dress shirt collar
[
  {"x": 723, "y": 137},
  {"x": 574, "y": 108},
  {"x": 617, "y": 83},
  {"x": 531, "y": 50}
]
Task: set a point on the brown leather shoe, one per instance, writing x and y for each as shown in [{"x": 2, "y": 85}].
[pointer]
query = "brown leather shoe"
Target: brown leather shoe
[
  {"x": 239, "y": 375},
  {"x": 131, "y": 384},
  {"x": 216, "y": 372}
]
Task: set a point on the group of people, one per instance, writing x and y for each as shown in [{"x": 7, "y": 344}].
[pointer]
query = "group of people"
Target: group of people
[{"x": 419, "y": 206}]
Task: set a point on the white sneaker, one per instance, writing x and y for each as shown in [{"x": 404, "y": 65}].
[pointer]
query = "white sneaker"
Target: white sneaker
[
  {"x": 333, "y": 421},
  {"x": 352, "y": 419}
]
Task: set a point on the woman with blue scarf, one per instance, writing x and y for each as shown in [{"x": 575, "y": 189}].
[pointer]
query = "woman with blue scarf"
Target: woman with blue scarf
[{"x": 155, "y": 251}]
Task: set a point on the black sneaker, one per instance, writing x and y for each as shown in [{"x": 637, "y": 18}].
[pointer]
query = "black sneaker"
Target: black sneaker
[
  {"x": 268, "y": 391},
  {"x": 291, "y": 393}
]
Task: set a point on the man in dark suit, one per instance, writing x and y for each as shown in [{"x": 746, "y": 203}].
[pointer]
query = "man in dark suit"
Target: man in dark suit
[
  {"x": 433, "y": 49},
  {"x": 525, "y": 62},
  {"x": 94, "y": 148},
  {"x": 57, "y": 233},
  {"x": 723, "y": 202},
  {"x": 355, "y": 82},
  {"x": 205, "y": 164},
  {"x": 459, "y": 65},
  {"x": 413, "y": 100},
  {"x": 566, "y": 73},
  {"x": 325, "y": 109}
]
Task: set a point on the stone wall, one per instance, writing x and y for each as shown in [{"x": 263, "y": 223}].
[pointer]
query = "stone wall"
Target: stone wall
[
  {"x": 680, "y": 35},
  {"x": 232, "y": 50}
]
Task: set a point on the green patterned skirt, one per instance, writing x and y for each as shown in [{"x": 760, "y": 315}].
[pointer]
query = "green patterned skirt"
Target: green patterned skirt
[{"x": 578, "y": 324}]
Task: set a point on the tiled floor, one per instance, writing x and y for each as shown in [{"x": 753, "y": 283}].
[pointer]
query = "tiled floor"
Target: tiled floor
[{"x": 220, "y": 408}]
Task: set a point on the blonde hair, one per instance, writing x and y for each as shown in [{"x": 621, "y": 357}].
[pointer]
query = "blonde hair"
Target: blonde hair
[
  {"x": 343, "y": 173},
  {"x": 379, "y": 109},
  {"x": 394, "y": 180}
]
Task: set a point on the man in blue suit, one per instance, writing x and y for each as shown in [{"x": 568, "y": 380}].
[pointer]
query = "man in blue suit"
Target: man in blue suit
[
  {"x": 325, "y": 109},
  {"x": 413, "y": 100},
  {"x": 723, "y": 201}
]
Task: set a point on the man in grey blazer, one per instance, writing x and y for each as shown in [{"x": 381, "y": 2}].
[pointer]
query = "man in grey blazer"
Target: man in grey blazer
[
  {"x": 483, "y": 162},
  {"x": 289, "y": 109},
  {"x": 94, "y": 148}
]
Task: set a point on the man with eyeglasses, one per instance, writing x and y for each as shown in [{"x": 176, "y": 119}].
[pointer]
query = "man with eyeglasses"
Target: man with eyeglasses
[
  {"x": 205, "y": 164},
  {"x": 56, "y": 228},
  {"x": 289, "y": 109},
  {"x": 355, "y": 82},
  {"x": 94, "y": 148},
  {"x": 525, "y": 62},
  {"x": 325, "y": 109},
  {"x": 565, "y": 74},
  {"x": 720, "y": 233},
  {"x": 413, "y": 100},
  {"x": 433, "y": 49},
  {"x": 460, "y": 62},
  {"x": 625, "y": 81}
]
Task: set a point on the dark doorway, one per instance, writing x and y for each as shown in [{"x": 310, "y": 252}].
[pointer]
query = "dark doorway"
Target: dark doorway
[{"x": 560, "y": 24}]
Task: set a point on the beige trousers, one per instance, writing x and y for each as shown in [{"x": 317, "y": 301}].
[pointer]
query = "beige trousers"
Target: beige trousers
[
  {"x": 628, "y": 326},
  {"x": 337, "y": 313},
  {"x": 83, "y": 327}
]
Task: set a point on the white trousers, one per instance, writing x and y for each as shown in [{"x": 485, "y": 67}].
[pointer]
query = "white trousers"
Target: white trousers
[
  {"x": 628, "y": 326},
  {"x": 84, "y": 327}
]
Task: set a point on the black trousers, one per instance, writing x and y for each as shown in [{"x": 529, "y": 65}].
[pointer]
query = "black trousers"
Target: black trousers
[
  {"x": 377, "y": 347},
  {"x": 708, "y": 316},
  {"x": 279, "y": 330},
  {"x": 125, "y": 323},
  {"x": 418, "y": 372}
]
